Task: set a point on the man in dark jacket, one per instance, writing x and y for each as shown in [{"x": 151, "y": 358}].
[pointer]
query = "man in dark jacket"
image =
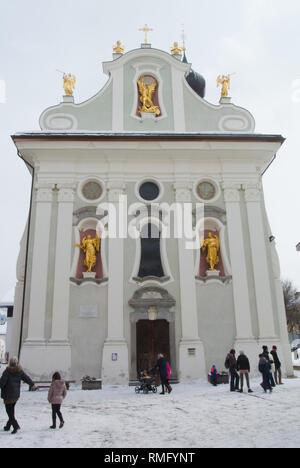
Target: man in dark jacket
[
  {"x": 264, "y": 367},
  {"x": 161, "y": 365},
  {"x": 267, "y": 357},
  {"x": 243, "y": 367},
  {"x": 231, "y": 364},
  {"x": 10, "y": 384},
  {"x": 277, "y": 365}
]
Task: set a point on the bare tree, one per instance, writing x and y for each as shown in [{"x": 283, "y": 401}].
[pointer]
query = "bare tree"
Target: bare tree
[{"x": 292, "y": 305}]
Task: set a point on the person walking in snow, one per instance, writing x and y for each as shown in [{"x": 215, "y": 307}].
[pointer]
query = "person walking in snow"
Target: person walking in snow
[
  {"x": 231, "y": 364},
  {"x": 264, "y": 367},
  {"x": 161, "y": 365},
  {"x": 57, "y": 394},
  {"x": 10, "y": 384},
  {"x": 277, "y": 364},
  {"x": 243, "y": 367}
]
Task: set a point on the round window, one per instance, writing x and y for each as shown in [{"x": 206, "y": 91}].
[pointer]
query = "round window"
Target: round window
[
  {"x": 206, "y": 190},
  {"x": 92, "y": 190},
  {"x": 149, "y": 191}
]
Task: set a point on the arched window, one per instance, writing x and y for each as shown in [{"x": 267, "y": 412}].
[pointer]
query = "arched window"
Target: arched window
[{"x": 151, "y": 264}]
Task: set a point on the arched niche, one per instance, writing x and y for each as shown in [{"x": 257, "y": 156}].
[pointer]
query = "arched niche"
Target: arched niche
[
  {"x": 151, "y": 262},
  {"x": 148, "y": 80},
  {"x": 203, "y": 228},
  {"x": 93, "y": 227}
]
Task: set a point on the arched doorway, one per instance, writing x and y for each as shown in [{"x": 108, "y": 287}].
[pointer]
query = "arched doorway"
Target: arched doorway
[
  {"x": 152, "y": 338},
  {"x": 152, "y": 333}
]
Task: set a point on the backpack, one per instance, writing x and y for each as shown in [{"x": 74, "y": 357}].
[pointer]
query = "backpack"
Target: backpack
[{"x": 227, "y": 363}]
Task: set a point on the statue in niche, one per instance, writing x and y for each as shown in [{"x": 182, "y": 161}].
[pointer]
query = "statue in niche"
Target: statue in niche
[
  {"x": 90, "y": 247},
  {"x": 147, "y": 86},
  {"x": 212, "y": 245}
]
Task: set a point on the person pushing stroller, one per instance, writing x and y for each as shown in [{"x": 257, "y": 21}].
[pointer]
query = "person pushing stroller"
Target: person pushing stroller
[{"x": 164, "y": 370}]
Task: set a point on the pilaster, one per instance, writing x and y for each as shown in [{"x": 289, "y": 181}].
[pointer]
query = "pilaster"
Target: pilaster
[
  {"x": 116, "y": 371},
  {"x": 260, "y": 263},
  {"x": 39, "y": 277},
  {"x": 61, "y": 291},
  {"x": 241, "y": 294},
  {"x": 192, "y": 363}
]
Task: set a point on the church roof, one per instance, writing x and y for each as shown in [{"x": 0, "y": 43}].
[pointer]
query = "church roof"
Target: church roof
[
  {"x": 195, "y": 80},
  {"x": 90, "y": 135}
]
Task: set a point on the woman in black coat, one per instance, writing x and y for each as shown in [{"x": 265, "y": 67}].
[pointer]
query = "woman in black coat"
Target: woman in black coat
[
  {"x": 10, "y": 384},
  {"x": 163, "y": 371}
]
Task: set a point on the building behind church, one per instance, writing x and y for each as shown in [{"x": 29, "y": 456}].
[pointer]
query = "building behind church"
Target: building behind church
[{"x": 147, "y": 152}]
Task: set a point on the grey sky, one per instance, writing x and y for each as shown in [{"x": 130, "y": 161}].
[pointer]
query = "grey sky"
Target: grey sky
[{"x": 257, "y": 39}]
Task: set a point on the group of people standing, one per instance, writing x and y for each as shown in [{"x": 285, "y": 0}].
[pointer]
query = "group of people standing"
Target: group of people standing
[
  {"x": 10, "y": 385},
  {"x": 239, "y": 368}
]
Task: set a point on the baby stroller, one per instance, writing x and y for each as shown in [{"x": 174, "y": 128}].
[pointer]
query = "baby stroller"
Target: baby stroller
[{"x": 147, "y": 383}]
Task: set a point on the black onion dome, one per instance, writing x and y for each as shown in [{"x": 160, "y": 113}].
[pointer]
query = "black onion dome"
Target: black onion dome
[{"x": 195, "y": 80}]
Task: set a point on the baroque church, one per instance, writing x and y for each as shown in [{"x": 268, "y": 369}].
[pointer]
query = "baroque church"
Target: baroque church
[{"x": 107, "y": 279}]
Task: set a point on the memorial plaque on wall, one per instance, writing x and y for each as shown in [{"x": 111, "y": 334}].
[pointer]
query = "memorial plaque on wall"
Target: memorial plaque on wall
[{"x": 90, "y": 311}]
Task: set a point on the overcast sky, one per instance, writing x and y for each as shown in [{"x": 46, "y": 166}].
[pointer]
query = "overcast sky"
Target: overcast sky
[{"x": 257, "y": 39}]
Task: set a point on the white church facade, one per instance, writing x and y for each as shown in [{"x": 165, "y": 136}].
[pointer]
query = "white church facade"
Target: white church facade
[{"x": 88, "y": 303}]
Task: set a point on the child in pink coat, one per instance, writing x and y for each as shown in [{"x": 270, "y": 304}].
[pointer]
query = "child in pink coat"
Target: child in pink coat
[
  {"x": 56, "y": 395},
  {"x": 169, "y": 371}
]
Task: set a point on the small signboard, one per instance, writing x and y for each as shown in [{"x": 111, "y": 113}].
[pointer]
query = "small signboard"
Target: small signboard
[{"x": 90, "y": 311}]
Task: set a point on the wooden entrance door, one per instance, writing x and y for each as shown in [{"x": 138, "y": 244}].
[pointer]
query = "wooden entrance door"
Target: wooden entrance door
[{"x": 153, "y": 337}]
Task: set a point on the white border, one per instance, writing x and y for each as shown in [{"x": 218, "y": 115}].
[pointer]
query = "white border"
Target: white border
[
  {"x": 72, "y": 119},
  {"x": 231, "y": 117}
]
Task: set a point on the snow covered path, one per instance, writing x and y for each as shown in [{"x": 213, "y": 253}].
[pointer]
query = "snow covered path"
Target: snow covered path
[{"x": 195, "y": 415}]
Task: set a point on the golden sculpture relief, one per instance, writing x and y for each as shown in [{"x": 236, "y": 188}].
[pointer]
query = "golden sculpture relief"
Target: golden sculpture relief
[
  {"x": 176, "y": 50},
  {"x": 224, "y": 80},
  {"x": 90, "y": 247},
  {"x": 69, "y": 83},
  {"x": 119, "y": 48},
  {"x": 212, "y": 244},
  {"x": 146, "y": 92}
]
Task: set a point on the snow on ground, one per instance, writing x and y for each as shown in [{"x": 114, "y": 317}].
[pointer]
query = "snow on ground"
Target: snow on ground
[{"x": 195, "y": 415}]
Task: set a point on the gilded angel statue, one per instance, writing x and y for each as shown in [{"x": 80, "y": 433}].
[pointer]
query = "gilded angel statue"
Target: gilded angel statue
[
  {"x": 146, "y": 96},
  {"x": 69, "y": 83},
  {"x": 90, "y": 247},
  {"x": 212, "y": 244},
  {"x": 224, "y": 80}
]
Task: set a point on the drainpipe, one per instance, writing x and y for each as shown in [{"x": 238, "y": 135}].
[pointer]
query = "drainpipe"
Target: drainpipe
[{"x": 32, "y": 170}]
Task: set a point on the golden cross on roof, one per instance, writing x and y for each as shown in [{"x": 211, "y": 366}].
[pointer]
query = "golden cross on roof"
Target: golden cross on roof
[{"x": 146, "y": 29}]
